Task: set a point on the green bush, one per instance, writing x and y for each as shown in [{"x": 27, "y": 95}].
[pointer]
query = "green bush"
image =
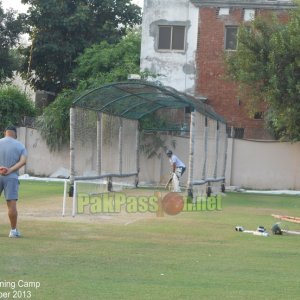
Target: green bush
[
  {"x": 54, "y": 124},
  {"x": 14, "y": 106}
]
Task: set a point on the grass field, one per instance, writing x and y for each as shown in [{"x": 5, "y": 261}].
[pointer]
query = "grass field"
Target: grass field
[{"x": 195, "y": 255}]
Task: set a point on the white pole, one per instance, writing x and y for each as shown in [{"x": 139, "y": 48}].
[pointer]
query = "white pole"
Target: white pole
[
  {"x": 72, "y": 152},
  {"x": 99, "y": 142},
  {"x": 191, "y": 154},
  {"x": 137, "y": 151},
  {"x": 205, "y": 148},
  {"x": 103, "y": 121},
  {"x": 121, "y": 146},
  {"x": 72, "y": 144},
  {"x": 225, "y": 154},
  {"x": 217, "y": 150},
  {"x": 65, "y": 198},
  {"x": 74, "y": 200}
]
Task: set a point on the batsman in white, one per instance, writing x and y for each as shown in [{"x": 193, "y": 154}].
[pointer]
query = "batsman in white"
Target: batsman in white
[
  {"x": 12, "y": 157},
  {"x": 178, "y": 168}
]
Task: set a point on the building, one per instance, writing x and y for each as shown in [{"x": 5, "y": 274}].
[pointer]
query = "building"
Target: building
[
  {"x": 184, "y": 42},
  {"x": 169, "y": 42}
]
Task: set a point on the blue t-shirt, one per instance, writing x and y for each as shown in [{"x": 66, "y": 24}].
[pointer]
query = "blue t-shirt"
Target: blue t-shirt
[
  {"x": 11, "y": 151},
  {"x": 175, "y": 160}
]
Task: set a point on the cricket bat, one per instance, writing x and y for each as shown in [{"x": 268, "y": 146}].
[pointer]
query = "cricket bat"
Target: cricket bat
[
  {"x": 169, "y": 182},
  {"x": 287, "y": 218}
]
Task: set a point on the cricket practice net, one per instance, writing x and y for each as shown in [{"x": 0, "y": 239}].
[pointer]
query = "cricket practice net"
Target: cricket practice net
[
  {"x": 208, "y": 146},
  {"x": 103, "y": 153}
]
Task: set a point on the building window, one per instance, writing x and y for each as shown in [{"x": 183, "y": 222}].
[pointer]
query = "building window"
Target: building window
[
  {"x": 231, "y": 37},
  {"x": 249, "y": 15},
  {"x": 223, "y": 11},
  {"x": 171, "y": 37},
  {"x": 258, "y": 115}
]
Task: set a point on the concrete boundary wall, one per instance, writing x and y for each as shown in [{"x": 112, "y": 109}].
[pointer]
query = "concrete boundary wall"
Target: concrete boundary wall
[
  {"x": 250, "y": 164},
  {"x": 42, "y": 162},
  {"x": 263, "y": 164}
]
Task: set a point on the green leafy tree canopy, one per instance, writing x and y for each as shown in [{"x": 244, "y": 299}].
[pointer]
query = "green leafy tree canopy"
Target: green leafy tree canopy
[
  {"x": 99, "y": 64},
  {"x": 14, "y": 106},
  {"x": 60, "y": 30},
  {"x": 266, "y": 66},
  {"x": 53, "y": 124},
  {"x": 10, "y": 28},
  {"x": 104, "y": 62}
]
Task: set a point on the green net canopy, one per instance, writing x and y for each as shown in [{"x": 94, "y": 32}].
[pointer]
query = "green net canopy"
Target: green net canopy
[{"x": 135, "y": 99}]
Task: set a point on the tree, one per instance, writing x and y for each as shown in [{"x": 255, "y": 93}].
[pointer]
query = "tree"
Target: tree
[
  {"x": 53, "y": 124},
  {"x": 104, "y": 62},
  {"x": 60, "y": 30},
  {"x": 266, "y": 66},
  {"x": 14, "y": 106},
  {"x": 99, "y": 64},
  {"x": 10, "y": 28}
]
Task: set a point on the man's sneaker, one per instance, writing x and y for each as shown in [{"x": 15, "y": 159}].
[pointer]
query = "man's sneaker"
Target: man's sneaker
[{"x": 14, "y": 233}]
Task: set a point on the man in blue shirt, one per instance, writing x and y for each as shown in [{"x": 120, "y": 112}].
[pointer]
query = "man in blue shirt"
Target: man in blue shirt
[
  {"x": 178, "y": 168},
  {"x": 12, "y": 157}
]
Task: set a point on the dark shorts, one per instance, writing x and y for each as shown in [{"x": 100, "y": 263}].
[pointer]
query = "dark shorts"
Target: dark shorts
[
  {"x": 10, "y": 186},
  {"x": 180, "y": 171}
]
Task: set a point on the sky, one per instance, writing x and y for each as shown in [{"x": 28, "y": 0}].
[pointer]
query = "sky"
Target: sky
[{"x": 17, "y": 5}]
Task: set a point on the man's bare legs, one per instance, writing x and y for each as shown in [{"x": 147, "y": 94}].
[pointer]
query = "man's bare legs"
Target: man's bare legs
[{"x": 12, "y": 213}]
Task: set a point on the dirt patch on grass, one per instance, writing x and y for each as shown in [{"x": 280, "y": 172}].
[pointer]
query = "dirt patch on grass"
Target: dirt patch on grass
[{"x": 137, "y": 208}]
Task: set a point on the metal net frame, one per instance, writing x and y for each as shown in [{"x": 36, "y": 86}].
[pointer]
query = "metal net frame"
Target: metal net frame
[
  {"x": 207, "y": 156},
  {"x": 104, "y": 123},
  {"x": 103, "y": 152}
]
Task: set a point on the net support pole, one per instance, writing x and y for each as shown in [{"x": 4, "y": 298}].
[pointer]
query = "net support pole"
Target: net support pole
[
  {"x": 191, "y": 155},
  {"x": 74, "y": 200},
  {"x": 217, "y": 150},
  {"x": 205, "y": 148},
  {"x": 99, "y": 142},
  {"x": 120, "y": 146},
  {"x": 72, "y": 146},
  {"x": 137, "y": 150},
  {"x": 225, "y": 155},
  {"x": 72, "y": 193},
  {"x": 64, "y": 206}
]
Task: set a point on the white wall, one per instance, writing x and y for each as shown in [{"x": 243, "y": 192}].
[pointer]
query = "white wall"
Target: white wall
[
  {"x": 178, "y": 69},
  {"x": 250, "y": 164},
  {"x": 41, "y": 161},
  {"x": 263, "y": 165}
]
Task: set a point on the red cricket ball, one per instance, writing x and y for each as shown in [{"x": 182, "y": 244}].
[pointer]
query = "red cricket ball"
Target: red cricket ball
[{"x": 172, "y": 203}]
